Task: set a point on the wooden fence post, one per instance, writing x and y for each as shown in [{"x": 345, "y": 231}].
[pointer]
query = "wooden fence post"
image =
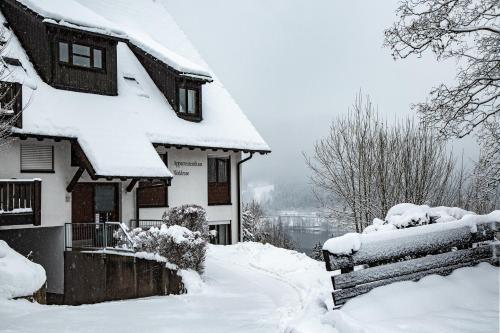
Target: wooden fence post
[{"x": 37, "y": 204}]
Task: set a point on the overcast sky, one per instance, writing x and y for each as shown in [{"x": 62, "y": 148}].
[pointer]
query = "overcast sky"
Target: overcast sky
[{"x": 293, "y": 65}]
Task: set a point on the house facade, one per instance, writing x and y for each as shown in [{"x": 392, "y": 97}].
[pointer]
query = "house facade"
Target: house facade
[{"x": 114, "y": 122}]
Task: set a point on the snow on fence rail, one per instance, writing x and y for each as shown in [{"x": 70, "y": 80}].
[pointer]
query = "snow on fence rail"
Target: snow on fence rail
[{"x": 409, "y": 254}]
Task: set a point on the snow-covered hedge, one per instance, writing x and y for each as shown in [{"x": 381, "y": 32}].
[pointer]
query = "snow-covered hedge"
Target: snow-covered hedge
[
  {"x": 192, "y": 217},
  {"x": 18, "y": 276},
  {"x": 178, "y": 245},
  {"x": 182, "y": 238}
]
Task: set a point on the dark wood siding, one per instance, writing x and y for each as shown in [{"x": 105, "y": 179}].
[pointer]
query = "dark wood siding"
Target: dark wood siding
[
  {"x": 40, "y": 42},
  {"x": 32, "y": 33},
  {"x": 90, "y": 80},
  {"x": 163, "y": 76},
  {"x": 168, "y": 81}
]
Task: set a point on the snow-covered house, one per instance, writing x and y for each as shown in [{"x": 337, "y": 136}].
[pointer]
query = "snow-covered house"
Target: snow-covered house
[{"x": 121, "y": 119}]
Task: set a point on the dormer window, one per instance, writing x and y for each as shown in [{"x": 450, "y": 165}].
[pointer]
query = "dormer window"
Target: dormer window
[
  {"x": 81, "y": 55},
  {"x": 188, "y": 102}
]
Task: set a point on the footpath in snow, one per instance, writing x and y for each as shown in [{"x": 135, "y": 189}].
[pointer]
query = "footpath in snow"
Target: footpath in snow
[{"x": 251, "y": 287}]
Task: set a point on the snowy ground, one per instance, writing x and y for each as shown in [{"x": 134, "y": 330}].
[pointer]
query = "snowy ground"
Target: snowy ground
[{"x": 257, "y": 288}]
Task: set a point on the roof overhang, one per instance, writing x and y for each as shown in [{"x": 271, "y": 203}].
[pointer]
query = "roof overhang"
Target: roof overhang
[
  {"x": 84, "y": 160},
  {"x": 204, "y": 148}
]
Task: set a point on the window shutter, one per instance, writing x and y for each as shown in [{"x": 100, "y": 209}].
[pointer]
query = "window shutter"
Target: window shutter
[{"x": 37, "y": 158}]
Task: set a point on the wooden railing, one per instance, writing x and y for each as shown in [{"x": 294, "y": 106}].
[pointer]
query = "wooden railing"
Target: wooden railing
[
  {"x": 407, "y": 255},
  {"x": 20, "y": 201}
]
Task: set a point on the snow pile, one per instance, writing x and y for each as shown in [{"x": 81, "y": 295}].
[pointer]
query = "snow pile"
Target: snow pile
[
  {"x": 344, "y": 245},
  {"x": 445, "y": 219},
  {"x": 192, "y": 281},
  {"x": 406, "y": 215},
  {"x": 18, "y": 276},
  {"x": 465, "y": 301}
]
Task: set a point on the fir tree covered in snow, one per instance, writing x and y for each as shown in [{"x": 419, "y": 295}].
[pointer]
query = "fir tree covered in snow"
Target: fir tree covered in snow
[
  {"x": 317, "y": 252},
  {"x": 251, "y": 216}
]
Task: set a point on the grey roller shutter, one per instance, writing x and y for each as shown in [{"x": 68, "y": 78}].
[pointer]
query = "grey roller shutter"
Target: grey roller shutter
[{"x": 37, "y": 158}]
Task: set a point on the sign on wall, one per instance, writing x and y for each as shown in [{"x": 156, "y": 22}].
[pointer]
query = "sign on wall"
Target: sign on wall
[{"x": 181, "y": 166}]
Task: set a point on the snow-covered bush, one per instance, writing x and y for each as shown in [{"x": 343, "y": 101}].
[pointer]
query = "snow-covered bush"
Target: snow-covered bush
[
  {"x": 407, "y": 215},
  {"x": 192, "y": 217},
  {"x": 178, "y": 245}
]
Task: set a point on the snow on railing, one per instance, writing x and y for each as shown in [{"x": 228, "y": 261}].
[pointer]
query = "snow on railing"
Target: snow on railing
[{"x": 20, "y": 201}]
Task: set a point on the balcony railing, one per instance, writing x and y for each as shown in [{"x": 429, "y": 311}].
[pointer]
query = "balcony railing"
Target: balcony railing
[
  {"x": 97, "y": 236},
  {"x": 20, "y": 201}
]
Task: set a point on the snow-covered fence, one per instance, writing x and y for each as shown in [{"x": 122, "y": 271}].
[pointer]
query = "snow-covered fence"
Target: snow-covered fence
[
  {"x": 378, "y": 259},
  {"x": 20, "y": 201}
]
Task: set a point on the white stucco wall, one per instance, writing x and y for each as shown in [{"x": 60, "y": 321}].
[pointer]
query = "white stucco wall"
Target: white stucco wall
[{"x": 191, "y": 188}]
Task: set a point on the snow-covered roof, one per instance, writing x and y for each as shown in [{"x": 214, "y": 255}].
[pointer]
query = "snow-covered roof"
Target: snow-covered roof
[
  {"x": 71, "y": 13},
  {"x": 117, "y": 132}
]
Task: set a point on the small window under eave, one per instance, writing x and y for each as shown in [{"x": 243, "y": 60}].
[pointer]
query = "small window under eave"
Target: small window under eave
[{"x": 189, "y": 106}]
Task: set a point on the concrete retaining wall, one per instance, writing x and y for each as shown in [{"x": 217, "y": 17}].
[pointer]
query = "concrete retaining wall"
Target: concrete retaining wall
[{"x": 98, "y": 277}]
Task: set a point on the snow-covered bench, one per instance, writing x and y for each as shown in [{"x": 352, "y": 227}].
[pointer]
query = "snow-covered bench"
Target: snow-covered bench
[{"x": 367, "y": 261}]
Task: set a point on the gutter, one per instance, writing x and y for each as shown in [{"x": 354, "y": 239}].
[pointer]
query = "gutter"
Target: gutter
[{"x": 238, "y": 182}]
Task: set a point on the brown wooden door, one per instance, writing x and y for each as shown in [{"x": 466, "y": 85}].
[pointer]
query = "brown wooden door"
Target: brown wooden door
[
  {"x": 89, "y": 199},
  {"x": 82, "y": 203}
]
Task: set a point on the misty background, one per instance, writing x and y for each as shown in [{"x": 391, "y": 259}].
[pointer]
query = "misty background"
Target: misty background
[{"x": 294, "y": 65}]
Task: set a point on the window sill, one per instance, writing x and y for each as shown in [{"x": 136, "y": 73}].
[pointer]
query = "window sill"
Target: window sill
[
  {"x": 38, "y": 171},
  {"x": 220, "y": 204},
  {"x": 194, "y": 118},
  {"x": 153, "y": 206}
]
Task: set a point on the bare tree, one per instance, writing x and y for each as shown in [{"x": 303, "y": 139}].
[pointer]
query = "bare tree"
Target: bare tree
[
  {"x": 367, "y": 166},
  {"x": 468, "y": 31},
  {"x": 7, "y": 96}
]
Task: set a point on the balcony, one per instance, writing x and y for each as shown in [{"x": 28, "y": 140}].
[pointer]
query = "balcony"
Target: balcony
[{"x": 20, "y": 201}]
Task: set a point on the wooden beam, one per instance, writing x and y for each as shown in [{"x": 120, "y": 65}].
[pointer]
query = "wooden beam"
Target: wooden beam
[
  {"x": 37, "y": 202},
  {"x": 131, "y": 185},
  {"x": 75, "y": 179}
]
